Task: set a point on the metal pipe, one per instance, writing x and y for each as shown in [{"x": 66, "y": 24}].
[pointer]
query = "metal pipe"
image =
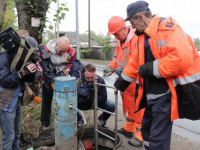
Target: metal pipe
[
  {"x": 80, "y": 112},
  {"x": 77, "y": 32},
  {"x": 57, "y": 21},
  {"x": 105, "y": 85},
  {"x": 108, "y": 112},
  {"x": 82, "y": 145},
  {"x": 116, "y": 117},
  {"x": 95, "y": 113},
  {"x": 105, "y": 135},
  {"x": 89, "y": 23}
]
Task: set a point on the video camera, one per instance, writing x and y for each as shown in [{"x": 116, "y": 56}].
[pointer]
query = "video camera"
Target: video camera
[{"x": 18, "y": 48}]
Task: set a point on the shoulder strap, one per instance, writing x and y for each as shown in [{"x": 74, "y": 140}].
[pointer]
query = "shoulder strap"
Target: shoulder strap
[
  {"x": 27, "y": 57},
  {"x": 17, "y": 55}
]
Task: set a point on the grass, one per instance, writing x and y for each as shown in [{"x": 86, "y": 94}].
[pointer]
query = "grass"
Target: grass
[{"x": 30, "y": 121}]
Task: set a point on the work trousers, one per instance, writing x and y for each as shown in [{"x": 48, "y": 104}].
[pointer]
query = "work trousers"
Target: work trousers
[
  {"x": 133, "y": 123},
  {"x": 47, "y": 95},
  {"x": 157, "y": 125}
]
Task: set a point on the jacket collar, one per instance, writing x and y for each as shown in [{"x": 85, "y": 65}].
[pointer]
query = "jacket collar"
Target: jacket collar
[
  {"x": 155, "y": 25},
  {"x": 152, "y": 28}
]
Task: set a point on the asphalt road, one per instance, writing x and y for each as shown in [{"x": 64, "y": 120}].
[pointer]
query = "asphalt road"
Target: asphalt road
[{"x": 183, "y": 127}]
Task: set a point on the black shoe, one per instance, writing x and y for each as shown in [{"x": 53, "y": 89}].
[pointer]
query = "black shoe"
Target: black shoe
[
  {"x": 22, "y": 144},
  {"x": 43, "y": 127},
  {"x": 102, "y": 122},
  {"x": 24, "y": 139},
  {"x": 135, "y": 142},
  {"x": 124, "y": 132}
]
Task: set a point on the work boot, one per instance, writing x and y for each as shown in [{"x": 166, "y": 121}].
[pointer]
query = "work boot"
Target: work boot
[
  {"x": 124, "y": 132},
  {"x": 43, "y": 128},
  {"x": 24, "y": 139},
  {"x": 135, "y": 142},
  {"x": 22, "y": 144},
  {"x": 102, "y": 122}
]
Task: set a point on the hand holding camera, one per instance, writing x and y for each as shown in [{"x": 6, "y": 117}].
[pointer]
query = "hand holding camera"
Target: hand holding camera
[{"x": 29, "y": 69}]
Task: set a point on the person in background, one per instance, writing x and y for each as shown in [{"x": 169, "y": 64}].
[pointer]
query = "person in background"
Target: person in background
[
  {"x": 61, "y": 56},
  {"x": 23, "y": 33},
  {"x": 165, "y": 68},
  {"x": 32, "y": 42},
  {"x": 126, "y": 41}
]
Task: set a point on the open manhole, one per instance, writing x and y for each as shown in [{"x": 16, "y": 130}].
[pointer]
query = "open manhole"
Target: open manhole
[{"x": 87, "y": 135}]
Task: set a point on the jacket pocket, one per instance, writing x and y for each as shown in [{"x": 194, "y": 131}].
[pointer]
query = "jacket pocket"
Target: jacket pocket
[
  {"x": 188, "y": 97},
  {"x": 189, "y": 100},
  {"x": 6, "y": 95}
]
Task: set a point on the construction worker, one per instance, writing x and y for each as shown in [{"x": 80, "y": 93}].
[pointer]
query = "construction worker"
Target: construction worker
[
  {"x": 125, "y": 44},
  {"x": 165, "y": 68}
]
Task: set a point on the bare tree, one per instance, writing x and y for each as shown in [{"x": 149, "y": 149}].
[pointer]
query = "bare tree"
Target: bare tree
[
  {"x": 2, "y": 12},
  {"x": 32, "y": 8}
]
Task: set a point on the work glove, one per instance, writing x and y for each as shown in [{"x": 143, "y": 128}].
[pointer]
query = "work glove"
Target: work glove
[
  {"x": 107, "y": 71},
  {"x": 146, "y": 70},
  {"x": 121, "y": 84},
  {"x": 30, "y": 69}
]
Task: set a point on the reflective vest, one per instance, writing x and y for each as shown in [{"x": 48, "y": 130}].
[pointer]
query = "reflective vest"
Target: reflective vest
[
  {"x": 120, "y": 59},
  {"x": 123, "y": 52},
  {"x": 176, "y": 60}
]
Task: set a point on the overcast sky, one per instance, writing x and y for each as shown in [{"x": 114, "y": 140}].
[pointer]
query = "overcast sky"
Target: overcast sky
[{"x": 185, "y": 12}]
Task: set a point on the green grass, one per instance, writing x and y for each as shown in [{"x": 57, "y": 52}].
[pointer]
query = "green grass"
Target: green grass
[{"x": 30, "y": 120}]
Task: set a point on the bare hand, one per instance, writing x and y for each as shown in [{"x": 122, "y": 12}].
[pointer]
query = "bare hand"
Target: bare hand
[
  {"x": 66, "y": 72},
  {"x": 115, "y": 91},
  {"x": 29, "y": 92}
]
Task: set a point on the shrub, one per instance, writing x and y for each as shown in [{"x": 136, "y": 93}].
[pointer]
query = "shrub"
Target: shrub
[{"x": 86, "y": 53}]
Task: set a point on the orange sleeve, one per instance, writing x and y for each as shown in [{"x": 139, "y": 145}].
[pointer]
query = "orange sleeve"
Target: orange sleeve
[{"x": 179, "y": 54}]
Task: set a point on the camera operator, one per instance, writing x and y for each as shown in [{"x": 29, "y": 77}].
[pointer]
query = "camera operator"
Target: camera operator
[
  {"x": 14, "y": 72},
  {"x": 57, "y": 58}
]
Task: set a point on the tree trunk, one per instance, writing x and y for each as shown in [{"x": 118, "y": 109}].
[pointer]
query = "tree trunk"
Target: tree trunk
[
  {"x": 2, "y": 12},
  {"x": 32, "y": 8}
]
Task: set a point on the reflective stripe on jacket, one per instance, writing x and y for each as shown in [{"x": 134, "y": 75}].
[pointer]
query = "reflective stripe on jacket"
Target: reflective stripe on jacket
[
  {"x": 123, "y": 52},
  {"x": 176, "y": 60},
  {"x": 120, "y": 59}
]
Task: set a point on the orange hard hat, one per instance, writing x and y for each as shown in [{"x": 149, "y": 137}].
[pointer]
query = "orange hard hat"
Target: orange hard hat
[{"x": 115, "y": 23}]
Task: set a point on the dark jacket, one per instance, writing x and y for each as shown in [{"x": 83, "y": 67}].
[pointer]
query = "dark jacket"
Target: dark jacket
[
  {"x": 86, "y": 92},
  {"x": 12, "y": 84}
]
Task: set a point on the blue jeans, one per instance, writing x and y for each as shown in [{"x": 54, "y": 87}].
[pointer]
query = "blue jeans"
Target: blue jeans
[
  {"x": 119, "y": 70},
  {"x": 11, "y": 127}
]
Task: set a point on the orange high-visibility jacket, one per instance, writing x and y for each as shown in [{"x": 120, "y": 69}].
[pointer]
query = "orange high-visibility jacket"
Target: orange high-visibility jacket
[
  {"x": 176, "y": 60},
  {"x": 123, "y": 52},
  {"x": 120, "y": 59}
]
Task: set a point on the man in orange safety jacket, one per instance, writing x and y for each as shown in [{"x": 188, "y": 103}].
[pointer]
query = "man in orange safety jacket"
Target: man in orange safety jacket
[
  {"x": 125, "y": 44},
  {"x": 165, "y": 66}
]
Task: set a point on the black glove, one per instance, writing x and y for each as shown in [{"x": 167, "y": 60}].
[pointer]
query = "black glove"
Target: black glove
[
  {"x": 27, "y": 71},
  {"x": 121, "y": 84},
  {"x": 146, "y": 70},
  {"x": 90, "y": 85}
]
